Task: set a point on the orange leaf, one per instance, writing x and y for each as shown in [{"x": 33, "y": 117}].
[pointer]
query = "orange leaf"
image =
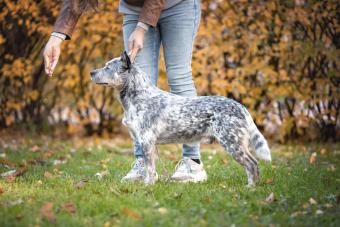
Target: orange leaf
[
  {"x": 48, "y": 175},
  {"x": 47, "y": 212},
  {"x": 132, "y": 214},
  {"x": 70, "y": 208},
  {"x": 312, "y": 158},
  {"x": 269, "y": 181}
]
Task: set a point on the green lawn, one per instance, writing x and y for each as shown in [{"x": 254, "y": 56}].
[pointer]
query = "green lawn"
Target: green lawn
[{"x": 70, "y": 193}]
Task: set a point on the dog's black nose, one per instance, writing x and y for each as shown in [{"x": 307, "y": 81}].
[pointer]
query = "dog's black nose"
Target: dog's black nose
[{"x": 93, "y": 73}]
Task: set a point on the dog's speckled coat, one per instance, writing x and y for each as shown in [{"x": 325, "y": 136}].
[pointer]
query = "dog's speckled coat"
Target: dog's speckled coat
[{"x": 155, "y": 117}]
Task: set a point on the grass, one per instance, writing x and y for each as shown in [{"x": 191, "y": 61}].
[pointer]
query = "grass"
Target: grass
[{"x": 304, "y": 194}]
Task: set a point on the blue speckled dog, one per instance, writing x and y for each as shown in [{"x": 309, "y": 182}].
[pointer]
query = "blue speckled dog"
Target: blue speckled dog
[{"x": 155, "y": 117}]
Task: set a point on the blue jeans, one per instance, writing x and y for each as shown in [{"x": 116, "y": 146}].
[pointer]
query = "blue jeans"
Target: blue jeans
[{"x": 176, "y": 30}]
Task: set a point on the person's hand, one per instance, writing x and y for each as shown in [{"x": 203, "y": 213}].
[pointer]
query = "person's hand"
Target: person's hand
[
  {"x": 51, "y": 54},
  {"x": 136, "y": 40}
]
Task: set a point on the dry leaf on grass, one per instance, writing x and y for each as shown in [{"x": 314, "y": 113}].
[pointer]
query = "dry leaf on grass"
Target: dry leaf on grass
[
  {"x": 70, "y": 208},
  {"x": 47, "y": 212},
  {"x": 15, "y": 202},
  {"x": 80, "y": 184},
  {"x": 2, "y": 191},
  {"x": 270, "y": 198},
  {"x": 162, "y": 210},
  {"x": 59, "y": 161},
  {"x": 7, "y": 163},
  {"x": 312, "y": 201},
  {"x": 269, "y": 181},
  {"x": 319, "y": 212},
  {"x": 132, "y": 214},
  {"x": 35, "y": 148},
  {"x": 8, "y": 173},
  {"x": 102, "y": 174},
  {"x": 225, "y": 161},
  {"x": 312, "y": 158},
  {"x": 48, "y": 175},
  {"x": 12, "y": 174}
]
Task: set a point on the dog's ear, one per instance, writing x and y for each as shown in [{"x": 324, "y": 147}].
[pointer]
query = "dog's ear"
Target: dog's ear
[{"x": 124, "y": 57}]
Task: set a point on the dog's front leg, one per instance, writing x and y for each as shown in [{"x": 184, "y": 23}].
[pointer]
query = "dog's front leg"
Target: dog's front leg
[{"x": 149, "y": 151}]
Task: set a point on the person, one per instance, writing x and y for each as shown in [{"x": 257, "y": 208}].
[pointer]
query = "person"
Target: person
[{"x": 146, "y": 25}]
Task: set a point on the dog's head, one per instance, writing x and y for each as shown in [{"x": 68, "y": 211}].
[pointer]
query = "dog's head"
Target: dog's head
[{"x": 112, "y": 74}]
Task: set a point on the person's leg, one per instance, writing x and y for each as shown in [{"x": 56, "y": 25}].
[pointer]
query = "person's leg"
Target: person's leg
[
  {"x": 178, "y": 27},
  {"x": 147, "y": 60}
]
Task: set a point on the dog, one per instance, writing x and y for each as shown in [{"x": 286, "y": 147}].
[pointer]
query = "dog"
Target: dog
[{"x": 155, "y": 117}]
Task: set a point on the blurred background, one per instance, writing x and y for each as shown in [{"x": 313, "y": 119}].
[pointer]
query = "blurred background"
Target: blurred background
[{"x": 278, "y": 58}]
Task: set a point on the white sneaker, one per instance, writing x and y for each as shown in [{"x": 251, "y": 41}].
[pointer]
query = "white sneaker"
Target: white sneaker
[
  {"x": 138, "y": 171},
  {"x": 188, "y": 170}
]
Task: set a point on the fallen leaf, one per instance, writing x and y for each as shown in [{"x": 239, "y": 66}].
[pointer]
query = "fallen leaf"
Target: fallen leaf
[
  {"x": 323, "y": 151},
  {"x": 10, "y": 179},
  {"x": 328, "y": 205},
  {"x": 48, "y": 175},
  {"x": 331, "y": 168},
  {"x": 132, "y": 214},
  {"x": 162, "y": 210},
  {"x": 295, "y": 214},
  {"x": 2, "y": 191},
  {"x": 70, "y": 208},
  {"x": 312, "y": 158},
  {"x": 222, "y": 185},
  {"x": 80, "y": 184},
  {"x": 312, "y": 201},
  {"x": 102, "y": 174},
  {"x": 319, "y": 212},
  {"x": 115, "y": 191},
  {"x": 15, "y": 202},
  {"x": 35, "y": 148},
  {"x": 269, "y": 181},
  {"x": 305, "y": 205},
  {"x": 225, "y": 161},
  {"x": 8, "y": 173},
  {"x": 270, "y": 198},
  {"x": 7, "y": 163},
  {"x": 47, "y": 212},
  {"x": 58, "y": 162},
  {"x": 12, "y": 174}
]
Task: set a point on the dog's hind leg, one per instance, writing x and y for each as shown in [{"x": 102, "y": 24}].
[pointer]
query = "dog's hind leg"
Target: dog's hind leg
[
  {"x": 149, "y": 151},
  {"x": 234, "y": 138}
]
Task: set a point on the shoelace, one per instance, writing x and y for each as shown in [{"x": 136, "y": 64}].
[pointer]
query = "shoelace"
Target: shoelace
[
  {"x": 182, "y": 164},
  {"x": 137, "y": 164}
]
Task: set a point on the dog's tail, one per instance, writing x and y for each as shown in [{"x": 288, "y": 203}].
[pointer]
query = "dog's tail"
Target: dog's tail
[{"x": 257, "y": 141}]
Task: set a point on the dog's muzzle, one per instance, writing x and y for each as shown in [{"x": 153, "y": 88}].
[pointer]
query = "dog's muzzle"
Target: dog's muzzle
[{"x": 95, "y": 76}]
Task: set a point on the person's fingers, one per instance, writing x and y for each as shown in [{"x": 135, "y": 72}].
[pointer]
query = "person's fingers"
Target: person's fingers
[
  {"x": 55, "y": 58},
  {"x": 131, "y": 45},
  {"x": 133, "y": 54},
  {"x": 47, "y": 63}
]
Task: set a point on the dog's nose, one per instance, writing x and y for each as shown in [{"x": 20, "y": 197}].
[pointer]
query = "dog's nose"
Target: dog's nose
[{"x": 93, "y": 73}]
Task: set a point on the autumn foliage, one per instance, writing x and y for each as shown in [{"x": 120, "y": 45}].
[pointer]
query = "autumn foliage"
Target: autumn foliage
[{"x": 281, "y": 60}]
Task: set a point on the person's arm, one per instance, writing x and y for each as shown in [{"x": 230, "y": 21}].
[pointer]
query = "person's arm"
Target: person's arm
[
  {"x": 151, "y": 12},
  {"x": 149, "y": 16},
  {"x": 62, "y": 30},
  {"x": 67, "y": 20}
]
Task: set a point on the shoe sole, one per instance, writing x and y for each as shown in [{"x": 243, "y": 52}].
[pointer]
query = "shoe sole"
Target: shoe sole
[
  {"x": 139, "y": 179},
  {"x": 201, "y": 179}
]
